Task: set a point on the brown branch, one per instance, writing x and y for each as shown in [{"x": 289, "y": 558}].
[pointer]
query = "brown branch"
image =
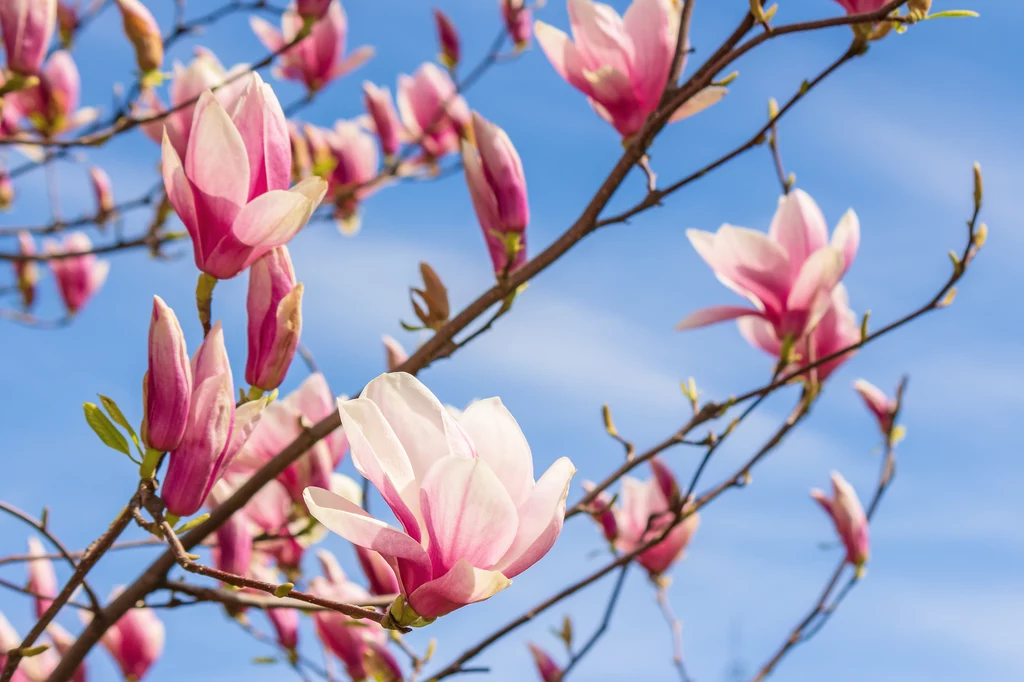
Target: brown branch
[
  {"x": 6, "y": 584},
  {"x": 142, "y": 201},
  {"x": 130, "y": 544},
  {"x": 149, "y": 241},
  {"x": 244, "y": 600}
]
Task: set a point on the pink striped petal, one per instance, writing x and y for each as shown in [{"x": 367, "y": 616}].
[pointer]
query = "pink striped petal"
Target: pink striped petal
[
  {"x": 713, "y": 315},
  {"x": 462, "y": 585},
  {"x": 500, "y": 442}
]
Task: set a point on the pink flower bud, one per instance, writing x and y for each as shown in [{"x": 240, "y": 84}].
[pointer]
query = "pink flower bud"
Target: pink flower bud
[
  {"x": 602, "y": 512},
  {"x": 214, "y": 432},
  {"x": 167, "y": 387},
  {"x": 393, "y": 352},
  {"x": 274, "y": 306},
  {"x": 26, "y": 272},
  {"x": 67, "y": 22},
  {"x": 518, "y": 22},
  {"x": 849, "y": 518},
  {"x": 42, "y": 579},
  {"x": 52, "y": 105},
  {"x": 78, "y": 277},
  {"x": 546, "y": 666},
  {"x": 448, "y": 39},
  {"x": 27, "y": 27},
  {"x": 361, "y": 646},
  {"x": 355, "y": 162},
  {"x": 600, "y": 61},
  {"x": 496, "y": 528},
  {"x": 862, "y": 6},
  {"x": 432, "y": 111},
  {"x": 6, "y": 190},
  {"x": 385, "y": 121},
  {"x": 497, "y": 186},
  {"x": 235, "y": 218},
  {"x": 233, "y": 553},
  {"x": 880, "y": 405},
  {"x": 318, "y": 59},
  {"x": 379, "y": 576},
  {"x": 103, "y": 192},
  {"x": 314, "y": 9},
  {"x": 286, "y": 627},
  {"x": 142, "y": 29},
  {"x": 135, "y": 642}
]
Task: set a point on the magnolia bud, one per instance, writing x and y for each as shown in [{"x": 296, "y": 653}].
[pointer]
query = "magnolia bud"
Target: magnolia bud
[
  {"x": 312, "y": 9},
  {"x": 167, "y": 387},
  {"x": 27, "y": 27},
  {"x": 104, "y": 194},
  {"x": 448, "y": 38},
  {"x": 518, "y": 22},
  {"x": 142, "y": 29},
  {"x": 546, "y": 666},
  {"x": 385, "y": 121},
  {"x": 274, "y": 306}
]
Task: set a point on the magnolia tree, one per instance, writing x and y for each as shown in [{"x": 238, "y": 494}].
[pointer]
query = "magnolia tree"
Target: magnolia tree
[{"x": 238, "y": 483}]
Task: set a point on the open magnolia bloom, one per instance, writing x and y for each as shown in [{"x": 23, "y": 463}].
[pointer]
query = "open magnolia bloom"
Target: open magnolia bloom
[
  {"x": 621, "y": 63},
  {"x": 472, "y": 513},
  {"x": 788, "y": 274}
]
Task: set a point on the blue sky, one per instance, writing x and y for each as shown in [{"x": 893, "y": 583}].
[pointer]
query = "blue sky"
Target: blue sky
[{"x": 892, "y": 135}]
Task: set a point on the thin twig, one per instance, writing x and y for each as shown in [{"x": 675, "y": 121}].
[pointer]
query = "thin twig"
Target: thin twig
[{"x": 606, "y": 620}]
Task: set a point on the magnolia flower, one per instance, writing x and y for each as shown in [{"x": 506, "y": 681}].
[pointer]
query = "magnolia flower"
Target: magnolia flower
[
  {"x": 27, "y": 26},
  {"x": 274, "y": 306},
  {"x": 384, "y": 119},
  {"x": 167, "y": 385},
  {"x": 354, "y": 162},
  {"x": 52, "y": 104},
  {"x": 360, "y": 645},
  {"x": 621, "y": 64},
  {"x": 881, "y": 406},
  {"x": 312, "y": 9},
  {"x": 269, "y": 511},
  {"x": 135, "y": 642},
  {"x": 547, "y": 668},
  {"x": 236, "y": 217},
  {"x": 234, "y": 548},
  {"x": 464, "y": 492},
  {"x": 432, "y": 111},
  {"x": 142, "y": 29},
  {"x": 837, "y": 330},
  {"x": 214, "y": 432},
  {"x": 187, "y": 84},
  {"x": 645, "y": 511},
  {"x": 104, "y": 193},
  {"x": 848, "y": 517},
  {"x": 497, "y": 186},
  {"x": 318, "y": 59},
  {"x": 78, "y": 277},
  {"x": 448, "y": 39},
  {"x": 42, "y": 579},
  {"x": 788, "y": 274},
  {"x": 282, "y": 422},
  {"x": 518, "y": 21},
  {"x": 379, "y": 575}
]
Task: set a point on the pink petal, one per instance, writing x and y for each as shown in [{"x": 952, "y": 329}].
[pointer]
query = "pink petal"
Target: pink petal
[
  {"x": 652, "y": 26},
  {"x": 216, "y": 160},
  {"x": 754, "y": 262},
  {"x": 500, "y": 442},
  {"x": 705, "y": 98},
  {"x": 562, "y": 54},
  {"x": 462, "y": 585},
  {"x": 267, "y": 34},
  {"x": 846, "y": 238},
  {"x": 600, "y": 35},
  {"x": 761, "y": 334},
  {"x": 799, "y": 227},
  {"x": 540, "y": 519},
  {"x": 179, "y": 193},
  {"x": 812, "y": 290},
  {"x": 468, "y": 514},
  {"x": 713, "y": 315}
]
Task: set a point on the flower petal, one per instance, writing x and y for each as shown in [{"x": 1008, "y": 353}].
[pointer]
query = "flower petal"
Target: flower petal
[
  {"x": 846, "y": 238},
  {"x": 754, "y": 262},
  {"x": 811, "y": 293},
  {"x": 562, "y": 54},
  {"x": 216, "y": 161},
  {"x": 703, "y": 99},
  {"x": 713, "y": 315},
  {"x": 500, "y": 442},
  {"x": 653, "y": 28},
  {"x": 799, "y": 226},
  {"x": 462, "y": 585}
]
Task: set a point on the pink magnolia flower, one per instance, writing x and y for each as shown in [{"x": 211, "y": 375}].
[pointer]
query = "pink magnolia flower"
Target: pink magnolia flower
[
  {"x": 518, "y": 21},
  {"x": 269, "y": 511},
  {"x": 52, "y": 105},
  {"x": 135, "y": 642},
  {"x": 78, "y": 277},
  {"x": 621, "y": 63},
  {"x": 848, "y": 517},
  {"x": 448, "y": 39},
  {"x": 167, "y": 386},
  {"x": 187, "y": 84},
  {"x": 547, "y": 668},
  {"x": 103, "y": 191},
  {"x": 42, "y": 579},
  {"x": 274, "y": 307},
  {"x": 645, "y": 510},
  {"x": 788, "y": 274},
  {"x": 233, "y": 552},
  {"x": 318, "y": 59},
  {"x": 352, "y": 641},
  {"x": 432, "y": 111},
  {"x": 355, "y": 163},
  {"x": 464, "y": 492},
  {"x": 383, "y": 117},
  {"x": 497, "y": 186},
  {"x": 234, "y": 218},
  {"x": 881, "y": 406},
  {"x": 836, "y": 330},
  {"x": 26, "y": 272},
  {"x": 144, "y": 33},
  {"x": 62, "y": 641},
  {"x": 394, "y": 354},
  {"x": 27, "y": 26},
  {"x": 214, "y": 433},
  {"x": 862, "y": 6},
  {"x": 381, "y": 579},
  {"x": 281, "y": 423},
  {"x": 313, "y": 9}
]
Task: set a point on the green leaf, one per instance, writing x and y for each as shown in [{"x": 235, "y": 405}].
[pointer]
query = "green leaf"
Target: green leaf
[
  {"x": 106, "y": 431},
  {"x": 264, "y": 660},
  {"x": 953, "y": 13},
  {"x": 192, "y": 524},
  {"x": 115, "y": 413}
]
